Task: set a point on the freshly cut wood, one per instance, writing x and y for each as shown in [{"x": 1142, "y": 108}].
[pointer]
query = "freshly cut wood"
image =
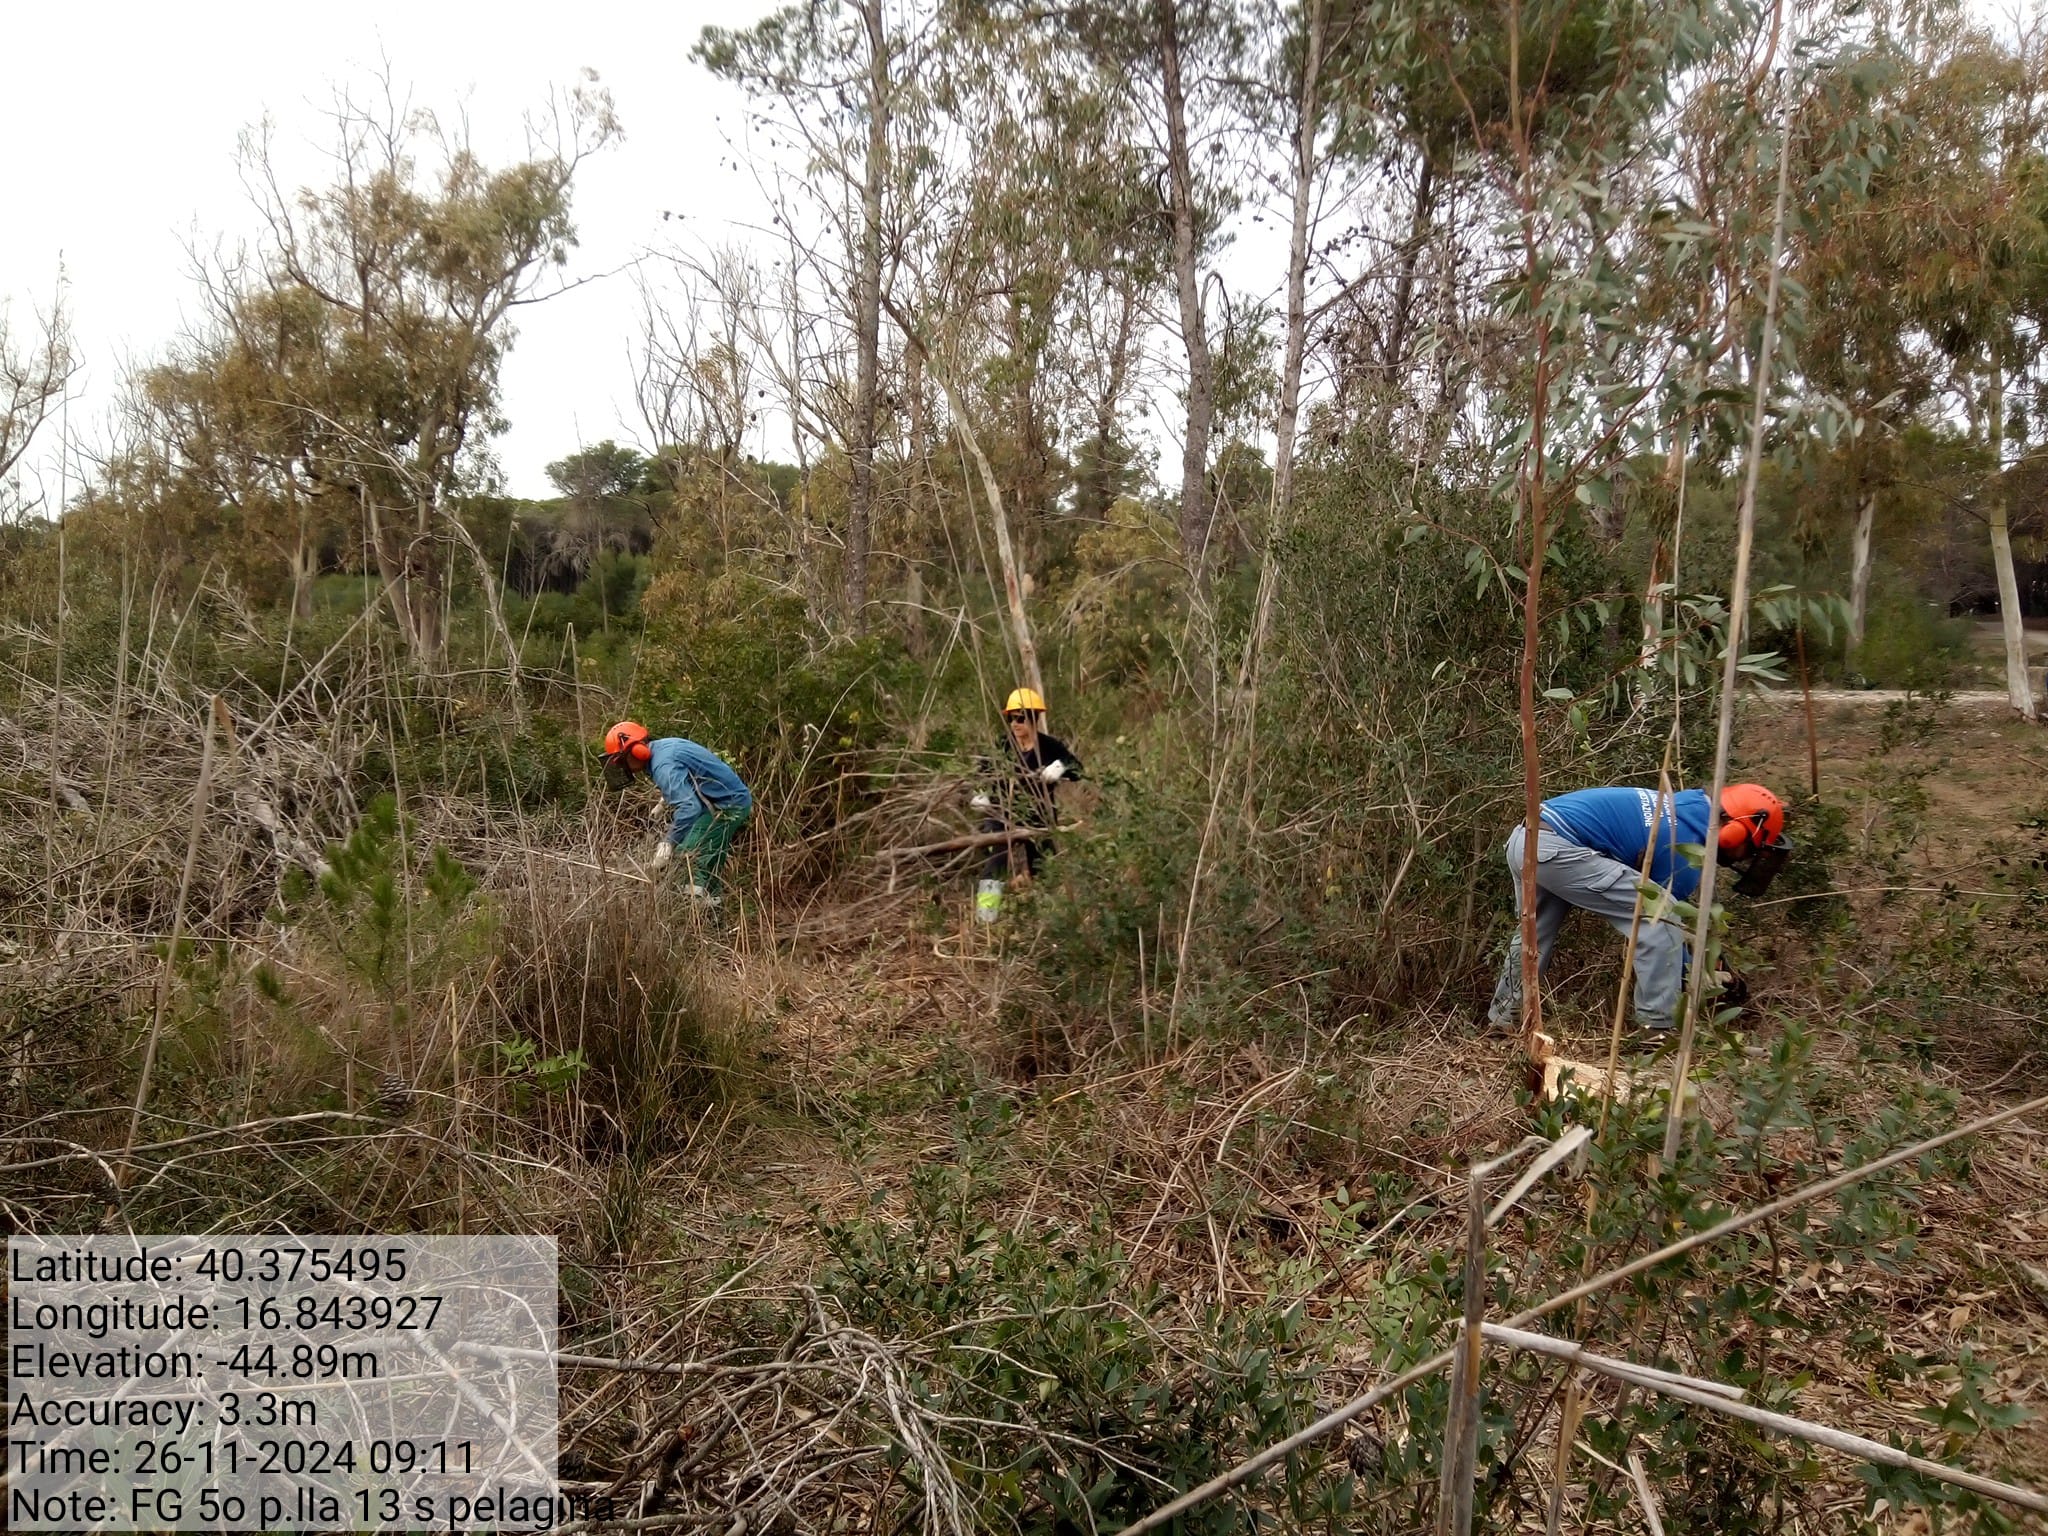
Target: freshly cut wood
[{"x": 1589, "y": 1077}]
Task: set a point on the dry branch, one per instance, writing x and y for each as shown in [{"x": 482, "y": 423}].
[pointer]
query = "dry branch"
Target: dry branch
[
  {"x": 1713, "y": 1395},
  {"x": 972, "y": 840},
  {"x": 1337, "y": 1418},
  {"x": 1646, "y": 1494},
  {"x": 1624, "y": 1370}
]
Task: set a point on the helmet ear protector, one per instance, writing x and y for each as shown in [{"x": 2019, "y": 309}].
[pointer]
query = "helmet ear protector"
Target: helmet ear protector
[
  {"x": 1741, "y": 835},
  {"x": 1746, "y": 843},
  {"x": 1752, "y": 836}
]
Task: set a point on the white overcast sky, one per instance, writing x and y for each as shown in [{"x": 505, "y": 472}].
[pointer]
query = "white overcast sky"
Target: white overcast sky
[{"x": 123, "y": 122}]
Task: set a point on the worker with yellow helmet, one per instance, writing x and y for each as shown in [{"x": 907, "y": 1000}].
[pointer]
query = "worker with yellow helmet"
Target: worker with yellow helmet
[{"x": 1022, "y": 777}]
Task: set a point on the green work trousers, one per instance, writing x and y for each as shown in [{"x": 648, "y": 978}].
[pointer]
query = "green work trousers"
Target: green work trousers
[{"x": 706, "y": 842}]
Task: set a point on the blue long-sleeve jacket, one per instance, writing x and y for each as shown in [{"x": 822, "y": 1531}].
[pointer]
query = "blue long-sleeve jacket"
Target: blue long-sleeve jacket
[
  {"x": 1617, "y": 822},
  {"x": 694, "y": 780}
]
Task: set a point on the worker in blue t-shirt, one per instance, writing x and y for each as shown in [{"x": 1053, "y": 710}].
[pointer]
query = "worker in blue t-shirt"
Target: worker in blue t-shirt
[
  {"x": 1589, "y": 855},
  {"x": 709, "y": 804}
]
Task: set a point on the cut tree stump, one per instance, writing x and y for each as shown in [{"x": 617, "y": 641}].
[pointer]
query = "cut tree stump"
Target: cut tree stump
[{"x": 1588, "y": 1076}]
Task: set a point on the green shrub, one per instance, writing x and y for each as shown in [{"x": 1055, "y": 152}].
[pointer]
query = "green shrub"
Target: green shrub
[
  {"x": 1355, "y": 853},
  {"x": 1911, "y": 643},
  {"x": 1085, "y": 1415},
  {"x": 461, "y": 747},
  {"x": 801, "y": 722}
]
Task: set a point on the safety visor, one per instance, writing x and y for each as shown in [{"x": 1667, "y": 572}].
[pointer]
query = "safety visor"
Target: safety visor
[
  {"x": 618, "y": 771},
  {"x": 1762, "y": 866}
]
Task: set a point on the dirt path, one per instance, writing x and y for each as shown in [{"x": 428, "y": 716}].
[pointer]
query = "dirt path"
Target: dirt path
[{"x": 1975, "y": 698}]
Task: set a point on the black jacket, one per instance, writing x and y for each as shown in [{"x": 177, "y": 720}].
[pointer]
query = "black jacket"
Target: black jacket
[{"x": 1013, "y": 781}]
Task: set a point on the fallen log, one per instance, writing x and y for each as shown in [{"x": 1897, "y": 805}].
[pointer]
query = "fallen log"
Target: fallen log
[{"x": 973, "y": 840}]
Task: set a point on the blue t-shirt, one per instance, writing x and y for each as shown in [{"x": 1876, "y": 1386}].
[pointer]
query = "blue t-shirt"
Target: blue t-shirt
[
  {"x": 1617, "y": 822},
  {"x": 693, "y": 780}
]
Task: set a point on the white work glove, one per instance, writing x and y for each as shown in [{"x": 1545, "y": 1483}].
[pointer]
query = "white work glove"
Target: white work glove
[
  {"x": 663, "y": 852},
  {"x": 981, "y": 803},
  {"x": 1053, "y": 771}
]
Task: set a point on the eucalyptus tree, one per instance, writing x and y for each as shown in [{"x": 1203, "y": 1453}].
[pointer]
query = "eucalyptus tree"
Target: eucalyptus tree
[
  {"x": 1570, "y": 111},
  {"x": 1866, "y": 249},
  {"x": 1983, "y": 297},
  {"x": 1042, "y": 247},
  {"x": 842, "y": 77},
  {"x": 232, "y": 412},
  {"x": 1302, "y": 45}
]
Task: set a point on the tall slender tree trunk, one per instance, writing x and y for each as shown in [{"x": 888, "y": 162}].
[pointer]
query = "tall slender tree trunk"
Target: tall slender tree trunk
[
  {"x": 1029, "y": 486},
  {"x": 867, "y": 319},
  {"x": 1399, "y": 325},
  {"x": 303, "y": 556},
  {"x": 2018, "y": 687},
  {"x": 1006, "y": 550},
  {"x": 1675, "y": 463},
  {"x": 1196, "y": 513},
  {"x": 1287, "y": 420},
  {"x": 913, "y": 392},
  {"x": 1102, "y": 472},
  {"x": 426, "y": 585},
  {"x": 1536, "y": 507},
  {"x": 387, "y": 544},
  {"x": 1859, "y": 567},
  {"x": 918, "y": 491},
  {"x": 302, "y": 580},
  {"x": 426, "y": 578}
]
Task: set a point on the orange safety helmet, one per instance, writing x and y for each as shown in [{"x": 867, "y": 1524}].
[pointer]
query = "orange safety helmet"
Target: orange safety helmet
[
  {"x": 628, "y": 741},
  {"x": 1752, "y": 819}
]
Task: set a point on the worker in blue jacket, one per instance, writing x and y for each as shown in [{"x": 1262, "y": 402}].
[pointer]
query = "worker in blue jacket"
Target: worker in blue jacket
[
  {"x": 710, "y": 804},
  {"x": 1589, "y": 855}
]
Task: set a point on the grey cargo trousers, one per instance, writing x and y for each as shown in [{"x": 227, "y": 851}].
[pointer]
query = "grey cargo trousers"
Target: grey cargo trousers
[{"x": 1567, "y": 876}]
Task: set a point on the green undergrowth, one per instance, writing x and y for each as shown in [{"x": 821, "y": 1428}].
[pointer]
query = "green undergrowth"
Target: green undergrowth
[{"x": 1086, "y": 1386}]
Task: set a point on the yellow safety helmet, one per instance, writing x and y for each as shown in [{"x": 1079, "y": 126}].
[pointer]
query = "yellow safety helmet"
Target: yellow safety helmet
[{"x": 1024, "y": 699}]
